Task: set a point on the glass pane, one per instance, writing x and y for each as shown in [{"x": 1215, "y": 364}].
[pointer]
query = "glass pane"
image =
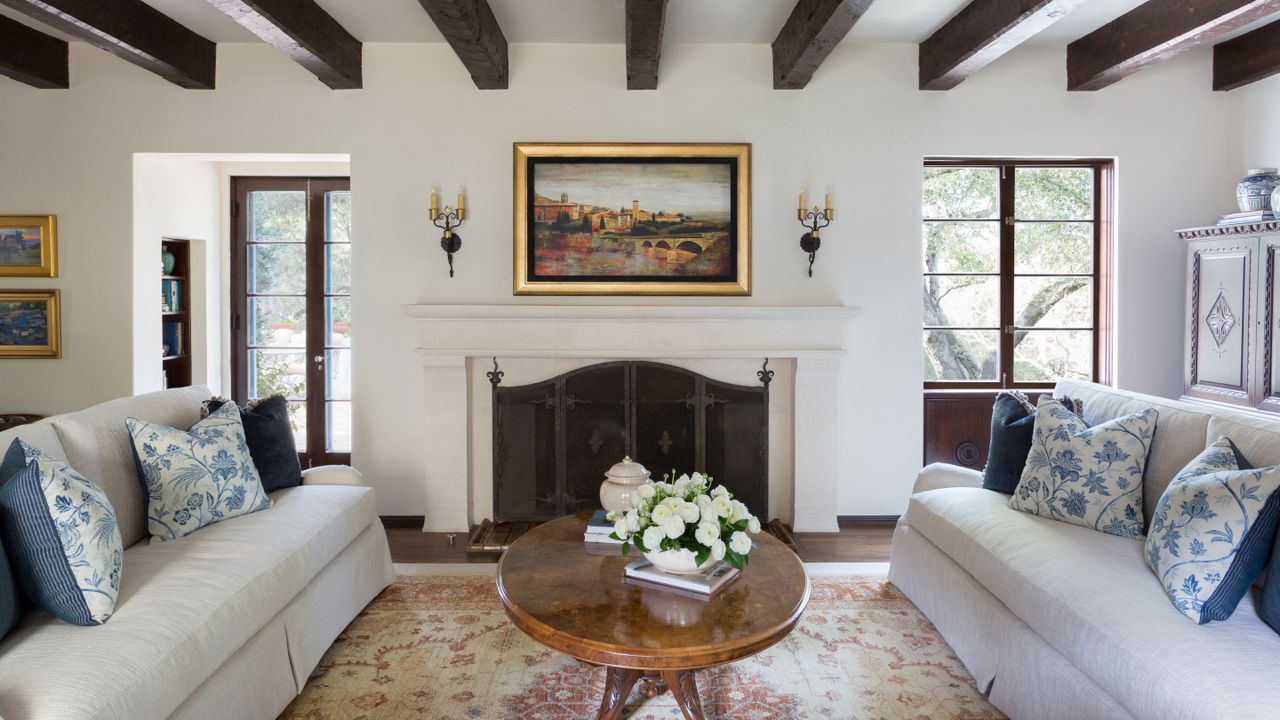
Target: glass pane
[
  {"x": 962, "y": 247},
  {"x": 1053, "y": 302},
  {"x": 1053, "y": 248},
  {"x": 1051, "y": 355},
  {"x": 1053, "y": 194},
  {"x": 337, "y": 426},
  {"x": 274, "y": 372},
  {"x": 337, "y": 270},
  {"x": 961, "y": 192},
  {"x": 278, "y": 321},
  {"x": 338, "y": 374},
  {"x": 278, "y": 216},
  {"x": 298, "y": 419},
  {"x": 958, "y": 355},
  {"x": 965, "y": 301},
  {"x": 338, "y": 321},
  {"x": 276, "y": 269},
  {"x": 338, "y": 209}
]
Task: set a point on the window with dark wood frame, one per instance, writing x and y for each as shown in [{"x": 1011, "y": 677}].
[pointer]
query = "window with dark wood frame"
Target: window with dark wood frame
[
  {"x": 291, "y": 305},
  {"x": 1017, "y": 263}
]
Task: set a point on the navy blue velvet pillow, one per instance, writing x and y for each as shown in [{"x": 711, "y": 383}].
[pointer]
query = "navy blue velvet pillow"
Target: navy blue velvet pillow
[
  {"x": 10, "y": 599},
  {"x": 1013, "y": 419},
  {"x": 269, "y": 434}
]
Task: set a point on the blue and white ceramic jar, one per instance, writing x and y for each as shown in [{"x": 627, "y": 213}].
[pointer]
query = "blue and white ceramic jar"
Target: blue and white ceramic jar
[{"x": 1254, "y": 192}]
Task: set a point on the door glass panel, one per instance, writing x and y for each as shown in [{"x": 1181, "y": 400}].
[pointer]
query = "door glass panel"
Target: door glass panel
[
  {"x": 337, "y": 426},
  {"x": 958, "y": 192},
  {"x": 965, "y": 301},
  {"x": 278, "y": 216},
  {"x": 337, "y": 269},
  {"x": 338, "y": 321},
  {"x": 338, "y": 217},
  {"x": 277, "y": 269},
  {"x": 1050, "y": 355},
  {"x": 298, "y": 420},
  {"x": 1040, "y": 247},
  {"x": 1053, "y": 194},
  {"x": 274, "y": 372},
  {"x": 338, "y": 374},
  {"x": 278, "y": 321},
  {"x": 1053, "y": 302},
  {"x": 961, "y": 355},
  {"x": 961, "y": 247}
]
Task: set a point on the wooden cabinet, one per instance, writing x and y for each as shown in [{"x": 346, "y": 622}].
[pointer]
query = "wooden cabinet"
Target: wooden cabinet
[{"x": 1231, "y": 317}]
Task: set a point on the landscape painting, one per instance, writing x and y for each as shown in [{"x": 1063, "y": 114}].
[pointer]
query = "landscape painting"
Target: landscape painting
[
  {"x": 634, "y": 219},
  {"x": 29, "y": 324},
  {"x": 28, "y": 246}
]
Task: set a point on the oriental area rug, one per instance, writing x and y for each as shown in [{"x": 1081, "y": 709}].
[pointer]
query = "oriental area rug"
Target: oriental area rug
[{"x": 440, "y": 647}]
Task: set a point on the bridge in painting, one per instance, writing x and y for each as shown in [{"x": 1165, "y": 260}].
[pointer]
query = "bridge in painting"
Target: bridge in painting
[{"x": 694, "y": 243}]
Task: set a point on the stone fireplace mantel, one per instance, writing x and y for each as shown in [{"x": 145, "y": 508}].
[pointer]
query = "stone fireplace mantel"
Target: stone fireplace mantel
[{"x": 453, "y": 338}]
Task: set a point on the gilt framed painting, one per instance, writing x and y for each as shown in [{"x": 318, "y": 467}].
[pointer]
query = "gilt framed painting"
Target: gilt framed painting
[
  {"x": 29, "y": 324},
  {"x": 632, "y": 219},
  {"x": 28, "y": 246}
]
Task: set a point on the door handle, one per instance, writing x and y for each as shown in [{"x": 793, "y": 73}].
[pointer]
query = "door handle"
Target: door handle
[{"x": 319, "y": 359}]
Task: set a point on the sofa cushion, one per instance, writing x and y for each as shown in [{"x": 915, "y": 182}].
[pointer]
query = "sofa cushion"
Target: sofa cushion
[
  {"x": 10, "y": 598},
  {"x": 39, "y": 435},
  {"x": 97, "y": 444},
  {"x": 1090, "y": 476},
  {"x": 185, "y": 607},
  {"x": 1213, "y": 530},
  {"x": 1091, "y": 596},
  {"x": 269, "y": 432},
  {"x": 66, "y": 547},
  {"x": 198, "y": 476},
  {"x": 1179, "y": 437}
]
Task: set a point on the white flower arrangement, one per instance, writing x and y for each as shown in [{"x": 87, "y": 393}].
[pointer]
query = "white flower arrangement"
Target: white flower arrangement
[{"x": 687, "y": 512}]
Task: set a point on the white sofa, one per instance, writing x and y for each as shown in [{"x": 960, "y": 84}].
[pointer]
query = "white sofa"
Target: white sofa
[
  {"x": 1060, "y": 622},
  {"x": 225, "y": 623}
]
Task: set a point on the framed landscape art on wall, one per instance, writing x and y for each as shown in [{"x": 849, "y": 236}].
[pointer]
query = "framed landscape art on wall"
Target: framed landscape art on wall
[
  {"x": 29, "y": 324},
  {"x": 632, "y": 219},
  {"x": 28, "y": 246}
]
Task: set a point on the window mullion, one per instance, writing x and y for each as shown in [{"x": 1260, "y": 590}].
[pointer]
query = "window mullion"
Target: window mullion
[{"x": 1007, "y": 175}]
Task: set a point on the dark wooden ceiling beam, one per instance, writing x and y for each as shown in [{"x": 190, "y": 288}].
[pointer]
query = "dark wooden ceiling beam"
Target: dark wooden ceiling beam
[
  {"x": 645, "y": 19},
  {"x": 302, "y": 30},
  {"x": 134, "y": 31},
  {"x": 471, "y": 29},
  {"x": 983, "y": 31},
  {"x": 29, "y": 56},
  {"x": 1247, "y": 59},
  {"x": 1152, "y": 32},
  {"x": 812, "y": 31}
]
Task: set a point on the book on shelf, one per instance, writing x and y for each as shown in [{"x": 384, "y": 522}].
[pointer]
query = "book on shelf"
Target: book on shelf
[
  {"x": 171, "y": 334},
  {"x": 598, "y": 530},
  {"x": 1247, "y": 217},
  {"x": 707, "y": 582},
  {"x": 170, "y": 295}
]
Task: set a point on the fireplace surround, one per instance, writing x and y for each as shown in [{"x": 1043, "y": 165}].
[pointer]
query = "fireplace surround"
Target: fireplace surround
[{"x": 726, "y": 343}]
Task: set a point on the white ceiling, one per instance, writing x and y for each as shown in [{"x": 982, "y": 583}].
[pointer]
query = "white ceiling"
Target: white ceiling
[{"x": 602, "y": 21}]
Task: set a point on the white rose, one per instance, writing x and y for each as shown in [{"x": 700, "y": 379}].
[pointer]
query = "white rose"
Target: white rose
[
  {"x": 753, "y": 525},
  {"x": 621, "y": 528},
  {"x": 673, "y": 526},
  {"x": 704, "y": 502},
  {"x": 664, "y": 487},
  {"x": 653, "y": 538},
  {"x": 719, "y": 491},
  {"x": 633, "y": 521},
  {"x": 707, "y": 533},
  {"x": 722, "y": 506},
  {"x": 740, "y": 512},
  {"x": 681, "y": 485},
  {"x": 717, "y": 550},
  {"x": 740, "y": 543},
  {"x": 646, "y": 491},
  {"x": 698, "y": 479},
  {"x": 673, "y": 502},
  {"x": 661, "y": 513},
  {"x": 689, "y": 512}
]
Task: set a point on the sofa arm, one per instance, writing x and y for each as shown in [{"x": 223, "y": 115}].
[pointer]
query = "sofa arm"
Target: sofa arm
[
  {"x": 332, "y": 475},
  {"x": 943, "y": 475}
]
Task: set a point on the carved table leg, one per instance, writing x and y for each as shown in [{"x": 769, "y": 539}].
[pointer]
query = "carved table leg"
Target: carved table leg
[
  {"x": 685, "y": 689},
  {"x": 617, "y": 686}
]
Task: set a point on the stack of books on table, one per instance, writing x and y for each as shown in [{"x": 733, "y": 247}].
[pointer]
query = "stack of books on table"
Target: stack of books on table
[
  {"x": 1247, "y": 217},
  {"x": 704, "y": 584},
  {"x": 598, "y": 530}
]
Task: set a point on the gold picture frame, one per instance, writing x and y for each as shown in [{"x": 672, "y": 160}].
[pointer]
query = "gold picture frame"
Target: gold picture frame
[
  {"x": 29, "y": 246},
  {"x": 30, "y": 324},
  {"x": 690, "y": 236}
]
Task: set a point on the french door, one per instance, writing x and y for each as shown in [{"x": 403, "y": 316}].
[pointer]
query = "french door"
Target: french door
[{"x": 291, "y": 305}]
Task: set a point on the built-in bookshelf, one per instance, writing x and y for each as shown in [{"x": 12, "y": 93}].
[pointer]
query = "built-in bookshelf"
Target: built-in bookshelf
[{"x": 175, "y": 313}]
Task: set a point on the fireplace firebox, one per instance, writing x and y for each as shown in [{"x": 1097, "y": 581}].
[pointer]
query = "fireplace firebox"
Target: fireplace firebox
[{"x": 553, "y": 440}]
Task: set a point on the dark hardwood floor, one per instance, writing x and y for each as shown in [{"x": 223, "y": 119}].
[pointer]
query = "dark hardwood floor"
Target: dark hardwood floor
[{"x": 856, "y": 542}]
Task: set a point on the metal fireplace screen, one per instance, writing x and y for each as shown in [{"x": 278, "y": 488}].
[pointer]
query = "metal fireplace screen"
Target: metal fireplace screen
[{"x": 554, "y": 440}]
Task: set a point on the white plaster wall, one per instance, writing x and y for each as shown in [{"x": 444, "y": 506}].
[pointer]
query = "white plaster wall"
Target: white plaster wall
[
  {"x": 861, "y": 127},
  {"x": 1257, "y": 111}
]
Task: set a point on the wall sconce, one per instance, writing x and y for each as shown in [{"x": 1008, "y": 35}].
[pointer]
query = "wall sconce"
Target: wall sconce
[
  {"x": 447, "y": 220},
  {"x": 815, "y": 220}
]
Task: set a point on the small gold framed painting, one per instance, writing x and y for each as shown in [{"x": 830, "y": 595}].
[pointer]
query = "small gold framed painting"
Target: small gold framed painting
[
  {"x": 29, "y": 324},
  {"x": 632, "y": 219},
  {"x": 28, "y": 246}
]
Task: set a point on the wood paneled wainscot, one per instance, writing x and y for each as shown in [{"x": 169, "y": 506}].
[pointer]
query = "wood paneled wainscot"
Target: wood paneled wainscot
[{"x": 1231, "y": 319}]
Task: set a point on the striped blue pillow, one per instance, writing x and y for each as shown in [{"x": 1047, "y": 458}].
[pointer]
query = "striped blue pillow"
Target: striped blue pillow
[{"x": 61, "y": 534}]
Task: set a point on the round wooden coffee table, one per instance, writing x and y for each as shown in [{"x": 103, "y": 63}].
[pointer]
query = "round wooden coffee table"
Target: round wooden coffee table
[{"x": 579, "y": 603}]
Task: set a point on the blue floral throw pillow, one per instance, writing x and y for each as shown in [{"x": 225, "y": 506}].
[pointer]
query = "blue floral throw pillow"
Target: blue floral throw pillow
[
  {"x": 1212, "y": 531},
  {"x": 61, "y": 535},
  {"x": 1090, "y": 476},
  {"x": 196, "y": 477}
]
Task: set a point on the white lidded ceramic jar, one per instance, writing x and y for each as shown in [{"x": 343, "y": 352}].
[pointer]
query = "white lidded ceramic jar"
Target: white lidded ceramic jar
[
  {"x": 1255, "y": 191},
  {"x": 619, "y": 482},
  {"x": 678, "y": 562}
]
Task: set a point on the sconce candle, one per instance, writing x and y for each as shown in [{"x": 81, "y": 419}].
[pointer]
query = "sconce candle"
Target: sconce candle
[
  {"x": 815, "y": 220},
  {"x": 448, "y": 220}
]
